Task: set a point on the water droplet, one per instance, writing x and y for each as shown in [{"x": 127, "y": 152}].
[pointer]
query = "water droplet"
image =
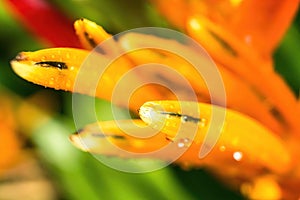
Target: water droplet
[
  {"x": 185, "y": 142},
  {"x": 195, "y": 24},
  {"x": 68, "y": 56},
  {"x": 184, "y": 119},
  {"x": 169, "y": 116},
  {"x": 222, "y": 148},
  {"x": 236, "y": 2},
  {"x": 174, "y": 124},
  {"x": 238, "y": 156},
  {"x": 202, "y": 122},
  {"x": 51, "y": 82},
  {"x": 168, "y": 123},
  {"x": 68, "y": 84},
  {"x": 180, "y": 144}
]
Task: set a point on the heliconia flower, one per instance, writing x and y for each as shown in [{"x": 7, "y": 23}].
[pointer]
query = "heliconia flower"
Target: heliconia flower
[{"x": 258, "y": 145}]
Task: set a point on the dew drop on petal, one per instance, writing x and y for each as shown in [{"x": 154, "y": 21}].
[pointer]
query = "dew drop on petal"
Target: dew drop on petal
[
  {"x": 180, "y": 144},
  {"x": 68, "y": 84},
  {"x": 51, "y": 82},
  {"x": 155, "y": 126},
  {"x": 195, "y": 24},
  {"x": 235, "y": 3},
  {"x": 184, "y": 119},
  {"x": 184, "y": 142},
  {"x": 68, "y": 56},
  {"x": 150, "y": 113},
  {"x": 238, "y": 156},
  {"x": 202, "y": 122},
  {"x": 222, "y": 148},
  {"x": 168, "y": 123}
]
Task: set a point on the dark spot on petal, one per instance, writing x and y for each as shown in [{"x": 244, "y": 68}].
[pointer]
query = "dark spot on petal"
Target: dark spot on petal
[
  {"x": 169, "y": 139},
  {"x": 107, "y": 135},
  {"x": 224, "y": 44},
  {"x": 90, "y": 40},
  {"x": 78, "y": 132},
  {"x": 185, "y": 118},
  {"x": 59, "y": 65}
]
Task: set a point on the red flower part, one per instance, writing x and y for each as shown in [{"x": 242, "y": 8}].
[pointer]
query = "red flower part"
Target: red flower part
[{"x": 45, "y": 21}]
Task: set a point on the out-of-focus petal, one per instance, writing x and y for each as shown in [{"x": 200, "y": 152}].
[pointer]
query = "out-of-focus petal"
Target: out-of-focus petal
[
  {"x": 259, "y": 23},
  {"x": 9, "y": 142},
  {"x": 264, "y": 22}
]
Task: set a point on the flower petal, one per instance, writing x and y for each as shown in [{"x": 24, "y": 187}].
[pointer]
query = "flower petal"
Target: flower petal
[
  {"x": 239, "y": 132},
  {"x": 263, "y": 31},
  {"x": 61, "y": 68},
  {"x": 89, "y": 33},
  {"x": 243, "y": 143}
]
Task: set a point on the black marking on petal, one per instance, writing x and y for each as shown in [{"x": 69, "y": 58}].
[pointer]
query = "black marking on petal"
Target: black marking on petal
[
  {"x": 185, "y": 118},
  {"x": 56, "y": 64},
  {"x": 98, "y": 49},
  {"x": 90, "y": 40},
  {"x": 171, "y": 114},
  {"x": 224, "y": 44},
  {"x": 78, "y": 132},
  {"x": 117, "y": 37},
  {"x": 101, "y": 135},
  {"x": 169, "y": 139},
  {"x": 93, "y": 44},
  {"x": 276, "y": 113}
]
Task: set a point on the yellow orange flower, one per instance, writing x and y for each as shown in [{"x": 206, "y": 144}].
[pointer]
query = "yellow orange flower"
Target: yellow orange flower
[{"x": 257, "y": 148}]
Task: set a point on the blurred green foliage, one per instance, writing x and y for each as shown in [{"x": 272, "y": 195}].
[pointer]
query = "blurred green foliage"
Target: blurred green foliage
[
  {"x": 286, "y": 57},
  {"x": 115, "y": 16},
  {"x": 78, "y": 175},
  {"x": 13, "y": 39}
]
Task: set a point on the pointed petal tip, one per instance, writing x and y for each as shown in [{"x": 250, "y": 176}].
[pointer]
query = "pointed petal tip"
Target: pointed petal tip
[
  {"x": 77, "y": 142},
  {"x": 20, "y": 57}
]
